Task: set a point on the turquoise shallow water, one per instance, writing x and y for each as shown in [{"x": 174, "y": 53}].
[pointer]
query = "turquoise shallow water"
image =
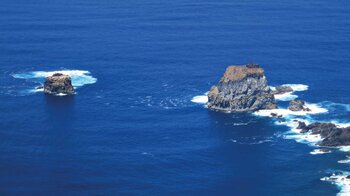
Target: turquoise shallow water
[{"x": 132, "y": 128}]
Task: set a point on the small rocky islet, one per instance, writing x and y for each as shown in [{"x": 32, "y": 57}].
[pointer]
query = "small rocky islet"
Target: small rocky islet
[
  {"x": 242, "y": 89},
  {"x": 58, "y": 84},
  {"x": 245, "y": 89}
]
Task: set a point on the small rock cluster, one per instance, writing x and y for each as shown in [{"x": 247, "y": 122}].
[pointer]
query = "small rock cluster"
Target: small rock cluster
[{"x": 330, "y": 133}]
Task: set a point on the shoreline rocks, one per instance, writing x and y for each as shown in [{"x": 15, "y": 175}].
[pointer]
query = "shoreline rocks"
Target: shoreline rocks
[
  {"x": 58, "y": 84},
  {"x": 298, "y": 105},
  {"x": 332, "y": 136},
  {"x": 282, "y": 90},
  {"x": 242, "y": 89}
]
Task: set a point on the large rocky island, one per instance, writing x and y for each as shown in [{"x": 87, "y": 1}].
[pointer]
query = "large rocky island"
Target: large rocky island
[
  {"x": 242, "y": 89},
  {"x": 58, "y": 84}
]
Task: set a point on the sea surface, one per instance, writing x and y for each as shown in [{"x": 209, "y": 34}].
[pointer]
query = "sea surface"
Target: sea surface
[{"x": 136, "y": 125}]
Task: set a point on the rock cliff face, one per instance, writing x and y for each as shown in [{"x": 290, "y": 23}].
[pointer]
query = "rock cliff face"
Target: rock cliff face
[
  {"x": 242, "y": 89},
  {"x": 58, "y": 84}
]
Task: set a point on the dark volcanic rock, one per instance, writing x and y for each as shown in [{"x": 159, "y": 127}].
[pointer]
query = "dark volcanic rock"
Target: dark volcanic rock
[
  {"x": 282, "y": 90},
  {"x": 337, "y": 137},
  {"x": 58, "y": 84},
  {"x": 303, "y": 127},
  {"x": 325, "y": 150},
  {"x": 322, "y": 128},
  {"x": 330, "y": 133},
  {"x": 242, "y": 89},
  {"x": 274, "y": 114},
  {"x": 297, "y": 105}
]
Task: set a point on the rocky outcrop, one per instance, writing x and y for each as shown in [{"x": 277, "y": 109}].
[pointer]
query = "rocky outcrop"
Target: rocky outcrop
[
  {"x": 276, "y": 115},
  {"x": 298, "y": 105},
  {"x": 331, "y": 134},
  {"x": 282, "y": 89},
  {"x": 242, "y": 89},
  {"x": 303, "y": 127},
  {"x": 58, "y": 84}
]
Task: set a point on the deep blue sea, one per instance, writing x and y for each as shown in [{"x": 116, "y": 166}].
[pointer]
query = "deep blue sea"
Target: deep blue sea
[{"x": 132, "y": 128}]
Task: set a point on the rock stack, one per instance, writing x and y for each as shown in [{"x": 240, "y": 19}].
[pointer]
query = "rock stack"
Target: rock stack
[
  {"x": 58, "y": 84},
  {"x": 242, "y": 89}
]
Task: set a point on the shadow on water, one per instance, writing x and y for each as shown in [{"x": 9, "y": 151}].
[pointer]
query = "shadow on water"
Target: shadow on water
[{"x": 60, "y": 110}]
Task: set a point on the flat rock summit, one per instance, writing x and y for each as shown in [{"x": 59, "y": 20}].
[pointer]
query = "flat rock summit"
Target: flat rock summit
[{"x": 242, "y": 89}]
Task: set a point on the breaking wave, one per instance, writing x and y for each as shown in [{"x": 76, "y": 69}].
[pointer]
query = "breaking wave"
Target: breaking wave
[
  {"x": 320, "y": 151},
  {"x": 289, "y": 95},
  {"x": 298, "y": 87},
  {"x": 286, "y": 96},
  {"x": 202, "y": 99},
  {"x": 342, "y": 180}
]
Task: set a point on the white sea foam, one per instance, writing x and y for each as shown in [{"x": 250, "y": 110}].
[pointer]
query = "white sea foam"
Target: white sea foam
[
  {"x": 344, "y": 148},
  {"x": 342, "y": 182},
  {"x": 203, "y": 99},
  {"x": 79, "y": 77},
  {"x": 61, "y": 94},
  {"x": 341, "y": 124},
  {"x": 295, "y": 134},
  {"x": 200, "y": 99},
  {"x": 286, "y": 96},
  {"x": 315, "y": 109},
  {"x": 298, "y": 87},
  {"x": 289, "y": 95},
  {"x": 292, "y": 122},
  {"x": 345, "y": 161},
  {"x": 319, "y": 151},
  {"x": 306, "y": 138}
]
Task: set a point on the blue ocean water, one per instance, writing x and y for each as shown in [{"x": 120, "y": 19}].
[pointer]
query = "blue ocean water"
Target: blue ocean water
[{"x": 132, "y": 129}]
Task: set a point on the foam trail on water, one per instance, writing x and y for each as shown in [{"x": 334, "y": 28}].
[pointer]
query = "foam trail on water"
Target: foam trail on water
[{"x": 79, "y": 77}]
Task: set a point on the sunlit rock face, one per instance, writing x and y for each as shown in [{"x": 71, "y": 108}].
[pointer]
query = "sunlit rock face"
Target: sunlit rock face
[{"x": 242, "y": 89}]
